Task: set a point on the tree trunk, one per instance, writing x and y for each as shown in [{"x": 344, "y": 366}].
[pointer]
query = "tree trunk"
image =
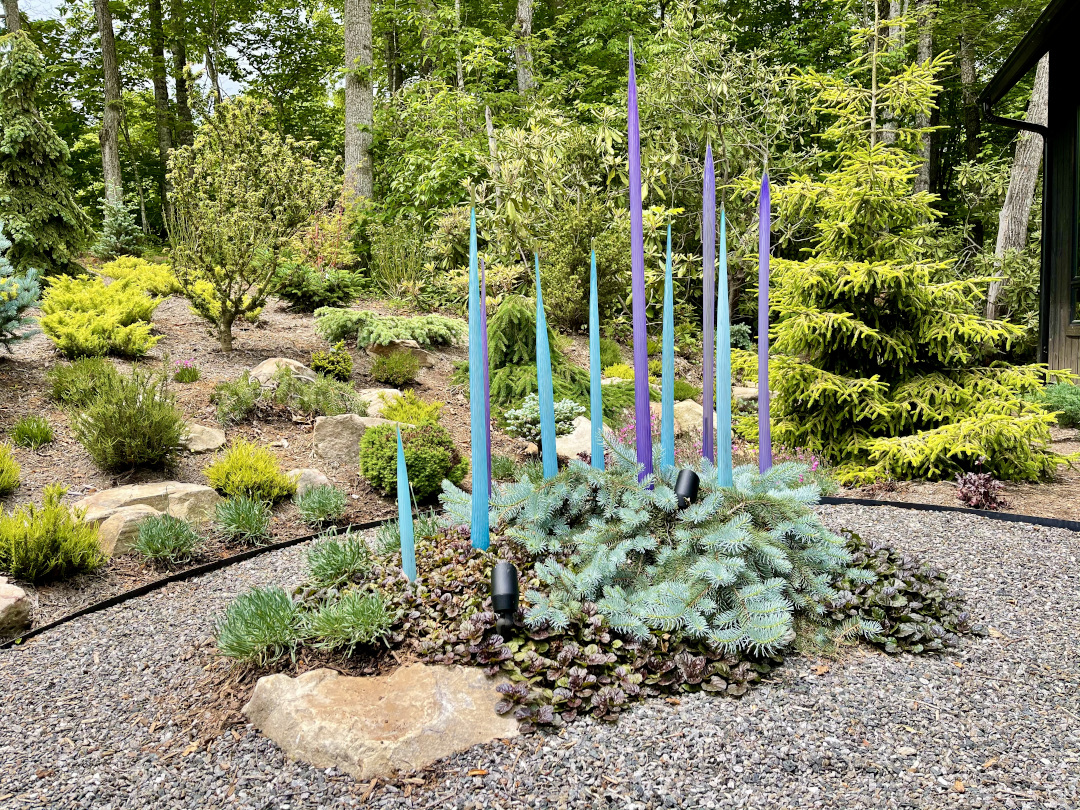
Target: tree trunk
[
  {"x": 523, "y": 50},
  {"x": 493, "y": 151},
  {"x": 896, "y": 42},
  {"x": 212, "y": 74},
  {"x": 161, "y": 103},
  {"x": 225, "y": 339},
  {"x": 359, "y": 102},
  {"x": 922, "y": 120},
  {"x": 185, "y": 130},
  {"x": 11, "y": 15},
  {"x": 110, "y": 119},
  {"x": 1016, "y": 211},
  {"x": 457, "y": 46},
  {"x": 393, "y": 69},
  {"x": 970, "y": 97}
]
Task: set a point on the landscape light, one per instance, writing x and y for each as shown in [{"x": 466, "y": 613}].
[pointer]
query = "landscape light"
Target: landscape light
[
  {"x": 504, "y": 596},
  {"x": 686, "y": 487}
]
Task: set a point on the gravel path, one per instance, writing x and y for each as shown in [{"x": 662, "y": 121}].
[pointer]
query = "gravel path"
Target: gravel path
[{"x": 92, "y": 714}]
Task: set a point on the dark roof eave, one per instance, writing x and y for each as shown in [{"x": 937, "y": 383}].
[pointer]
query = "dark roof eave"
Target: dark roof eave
[{"x": 1031, "y": 48}]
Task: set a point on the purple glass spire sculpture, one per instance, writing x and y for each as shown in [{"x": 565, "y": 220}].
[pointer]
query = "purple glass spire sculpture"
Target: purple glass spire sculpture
[
  {"x": 642, "y": 424},
  {"x": 723, "y": 365},
  {"x": 708, "y": 290},
  {"x": 764, "y": 228}
]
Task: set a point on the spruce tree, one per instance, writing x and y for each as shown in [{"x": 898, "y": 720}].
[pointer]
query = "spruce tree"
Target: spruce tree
[
  {"x": 46, "y": 226},
  {"x": 18, "y": 292},
  {"x": 886, "y": 364}
]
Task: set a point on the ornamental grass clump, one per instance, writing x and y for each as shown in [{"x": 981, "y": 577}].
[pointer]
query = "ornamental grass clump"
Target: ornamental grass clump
[
  {"x": 353, "y": 618},
  {"x": 48, "y": 542},
  {"x": 259, "y": 627},
  {"x": 166, "y": 540},
  {"x": 335, "y": 560},
  {"x": 247, "y": 469},
  {"x": 32, "y": 432},
  {"x": 243, "y": 520},
  {"x": 321, "y": 505}
]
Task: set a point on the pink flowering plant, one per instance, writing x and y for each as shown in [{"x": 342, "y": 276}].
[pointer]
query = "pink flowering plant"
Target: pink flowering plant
[{"x": 185, "y": 371}]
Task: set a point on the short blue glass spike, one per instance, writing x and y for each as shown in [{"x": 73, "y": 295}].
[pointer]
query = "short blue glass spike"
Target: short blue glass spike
[
  {"x": 723, "y": 365},
  {"x": 479, "y": 423},
  {"x": 544, "y": 386},
  {"x": 596, "y": 401},
  {"x": 405, "y": 517},
  {"x": 667, "y": 367}
]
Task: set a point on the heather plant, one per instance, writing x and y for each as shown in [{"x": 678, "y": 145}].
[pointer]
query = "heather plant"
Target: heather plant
[
  {"x": 243, "y": 519},
  {"x": 430, "y": 456},
  {"x": 324, "y": 396},
  {"x": 133, "y": 421},
  {"x": 10, "y": 471},
  {"x": 84, "y": 317},
  {"x": 524, "y": 422},
  {"x": 18, "y": 293},
  {"x": 336, "y": 363},
  {"x": 241, "y": 193},
  {"x": 246, "y": 469},
  {"x": 372, "y": 329},
  {"x": 321, "y": 505},
  {"x": 259, "y": 627},
  {"x": 76, "y": 385},
  {"x": 236, "y": 399},
  {"x": 32, "y": 432},
  {"x": 166, "y": 540},
  {"x": 411, "y": 409},
  {"x": 397, "y": 368},
  {"x": 48, "y": 542}
]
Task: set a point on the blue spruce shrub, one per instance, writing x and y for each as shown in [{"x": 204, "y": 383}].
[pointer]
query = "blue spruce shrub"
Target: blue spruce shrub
[{"x": 18, "y": 292}]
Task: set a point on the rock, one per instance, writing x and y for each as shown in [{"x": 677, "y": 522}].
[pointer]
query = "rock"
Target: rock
[
  {"x": 14, "y": 610},
  {"x": 337, "y": 438},
  {"x": 377, "y": 398},
  {"x": 191, "y": 502},
  {"x": 578, "y": 441},
  {"x": 200, "y": 439},
  {"x": 377, "y": 726},
  {"x": 426, "y": 358},
  {"x": 742, "y": 392},
  {"x": 689, "y": 415},
  {"x": 116, "y": 535},
  {"x": 307, "y": 479},
  {"x": 265, "y": 371}
]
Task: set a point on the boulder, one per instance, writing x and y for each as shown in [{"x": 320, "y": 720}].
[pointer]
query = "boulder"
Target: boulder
[
  {"x": 14, "y": 610},
  {"x": 194, "y": 503},
  {"x": 426, "y": 358},
  {"x": 200, "y": 439},
  {"x": 742, "y": 392},
  {"x": 689, "y": 415},
  {"x": 376, "y": 399},
  {"x": 337, "y": 438},
  {"x": 307, "y": 479},
  {"x": 578, "y": 441},
  {"x": 378, "y": 726},
  {"x": 116, "y": 534},
  {"x": 265, "y": 371}
]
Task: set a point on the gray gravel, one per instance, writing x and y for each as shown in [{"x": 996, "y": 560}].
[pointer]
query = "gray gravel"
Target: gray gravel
[{"x": 93, "y": 714}]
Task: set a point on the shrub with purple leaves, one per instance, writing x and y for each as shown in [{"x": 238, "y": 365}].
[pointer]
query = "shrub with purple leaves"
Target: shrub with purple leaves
[{"x": 980, "y": 490}]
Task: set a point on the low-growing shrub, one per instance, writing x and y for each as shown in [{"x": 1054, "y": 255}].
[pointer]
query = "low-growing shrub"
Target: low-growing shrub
[
  {"x": 397, "y": 368},
  {"x": 744, "y": 367},
  {"x": 84, "y": 317},
  {"x": 1063, "y": 397},
  {"x": 336, "y": 363},
  {"x": 619, "y": 371},
  {"x": 412, "y": 410},
  {"x": 77, "y": 384},
  {"x": 165, "y": 539},
  {"x": 236, "y": 400},
  {"x": 370, "y": 328},
  {"x": 684, "y": 391},
  {"x": 156, "y": 279},
  {"x": 524, "y": 422},
  {"x": 740, "y": 336},
  {"x": 18, "y": 293},
  {"x": 307, "y": 288},
  {"x": 132, "y": 422},
  {"x": 503, "y": 468},
  {"x": 430, "y": 457},
  {"x": 337, "y": 559},
  {"x": 32, "y": 432},
  {"x": 185, "y": 371},
  {"x": 355, "y": 617},
  {"x": 120, "y": 233},
  {"x": 980, "y": 490},
  {"x": 47, "y": 542},
  {"x": 259, "y": 627},
  {"x": 245, "y": 468},
  {"x": 323, "y": 397},
  {"x": 321, "y": 505},
  {"x": 243, "y": 519},
  {"x": 610, "y": 352},
  {"x": 10, "y": 471}
]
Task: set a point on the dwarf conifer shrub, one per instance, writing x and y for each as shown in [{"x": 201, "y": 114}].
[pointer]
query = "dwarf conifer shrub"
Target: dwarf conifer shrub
[
  {"x": 77, "y": 384},
  {"x": 32, "y": 432},
  {"x": 684, "y": 390},
  {"x": 243, "y": 520},
  {"x": 397, "y": 368},
  {"x": 430, "y": 456},
  {"x": 370, "y": 328},
  {"x": 1065, "y": 399},
  {"x": 620, "y": 371},
  {"x": 10, "y": 471},
  {"x": 336, "y": 363},
  {"x": 610, "y": 352},
  {"x": 247, "y": 469},
  {"x": 259, "y": 627},
  {"x": 321, "y": 505},
  {"x": 355, "y": 617},
  {"x": 524, "y": 422},
  {"x": 132, "y": 422},
  {"x": 47, "y": 542},
  {"x": 309, "y": 288},
  {"x": 156, "y": 279},
  {"x": 120, "y": 233},
  {"x": 411, "y": 409},
  {"x": 324, "y": 396},
  {"x": 166, "y": 540},
  {"x": 337, "y": 559},
  {"x": 18, "y": 292},
  {"x": 84, "y": 317}
]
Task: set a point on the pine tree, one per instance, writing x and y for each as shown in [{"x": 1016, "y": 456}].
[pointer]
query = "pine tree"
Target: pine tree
[
  {"x": 45, "y": 224},
  {"x": 17, "y": 294},
  {"x": 887, "y": 366}
]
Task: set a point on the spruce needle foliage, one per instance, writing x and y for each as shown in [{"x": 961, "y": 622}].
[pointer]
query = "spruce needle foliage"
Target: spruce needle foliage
[
  {"x": 370, "y": 328},
  {"x": 18, "y": 292}
]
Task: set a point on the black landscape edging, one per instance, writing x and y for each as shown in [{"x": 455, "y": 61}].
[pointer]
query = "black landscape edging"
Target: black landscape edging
[
  {"x": 1008, "y": 517},
  {"x": 180, "y": 576}
]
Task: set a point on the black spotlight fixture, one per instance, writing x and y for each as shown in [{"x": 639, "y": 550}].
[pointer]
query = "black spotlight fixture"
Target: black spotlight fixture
[
  {"x": 504, "y": 596},
  {"x": 686, "y": 487}
]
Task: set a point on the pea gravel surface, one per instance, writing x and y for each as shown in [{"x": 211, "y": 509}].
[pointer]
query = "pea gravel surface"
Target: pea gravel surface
[{"x": 92, "y": 715}]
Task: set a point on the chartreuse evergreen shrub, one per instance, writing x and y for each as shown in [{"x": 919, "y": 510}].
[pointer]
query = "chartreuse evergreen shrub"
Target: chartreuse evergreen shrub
[
  {"x": 156, "y": 279},
  {"x": 77, "y": 384},
  {"x": 18, "y": 292},
  {"x": 744, "y": 367},
  {"x": 84, "y": 317},
  {"x": 321, "y": 505},
  {"x": 620, "y": 370},
  {"x": 430, "y": 456},
  {"x": 10, "y": 471},
  {"x": 370, "y": 328},
  {"x": 167, "y": 540},
  {"x": 524, "y": 422},
  {"x": 397, "y": 368},
  {"x": 1065, "y": 399},
  {"x": 259, "y": 627},
  {"x": 336, "y": 363},
  {"x": 132, "y": 422},
  {"x": 32, "y": 432},
  {"x": 47, "y": 542},
  {"x": 882, "y": 366},
  {"x": 412, "y": 410},
  {"x": 247, "y": 469}
]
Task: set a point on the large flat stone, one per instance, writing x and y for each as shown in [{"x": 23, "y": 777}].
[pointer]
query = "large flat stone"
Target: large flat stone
[
  {"x": 202, "y": 439},
  {"x": 374, "y": 727},
  {"x": 194, "y": 503},
  {"x": 117, "y": 534},
  {"x": 14, "y": 610},
  {"x": 576, "y": 442},
  {"x": 337, "y": 438},
  {"x": 377, "y": 399}
]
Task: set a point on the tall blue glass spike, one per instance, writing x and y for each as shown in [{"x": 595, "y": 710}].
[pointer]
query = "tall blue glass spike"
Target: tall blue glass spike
[
  {"x": 405, "y": 518},
  {"x": 667, "y": 367},
  {"x": 596, "y": 394},
  {"x": 723, "y": 365},
  {"x": 478, "y": 526},
  {"x": 544, "y": 386}
]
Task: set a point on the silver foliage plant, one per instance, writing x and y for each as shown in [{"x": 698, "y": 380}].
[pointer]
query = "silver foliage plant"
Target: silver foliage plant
[{"x": 733, "y": 569}]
